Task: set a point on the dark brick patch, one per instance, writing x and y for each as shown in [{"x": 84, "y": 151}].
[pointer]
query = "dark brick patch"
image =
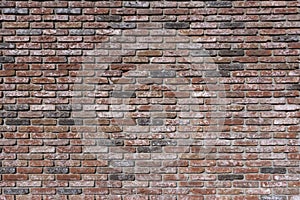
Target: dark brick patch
[
  {"x": 7, "y": 59},
  {"x": 177, "y": 25},
  {"x": 17, "y": 122},
  {"x": 219, "y": 4},
  {"x": 14, "y": 191},
  {"x": 57, "y": 170},
  {"x": 122, "y": 177},
  {"x": 7, "y": 170},
  {"x": 270, "y": 170},
  {"x": 109, "y": 18},
  {"x": 146, "y": 149},
  {"x": 230, "y": 177},
  {"x": 123, "y": 25},
  {"x": 233, "y": 52},
  {"x": 69, "y": 191}
]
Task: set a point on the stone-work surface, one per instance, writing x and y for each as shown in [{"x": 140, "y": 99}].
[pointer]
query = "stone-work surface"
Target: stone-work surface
[{"x": 149, "y": 100}]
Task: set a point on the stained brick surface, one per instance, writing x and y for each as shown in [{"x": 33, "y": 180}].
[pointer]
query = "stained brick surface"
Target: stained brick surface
[{"x": 149, "y": 100}]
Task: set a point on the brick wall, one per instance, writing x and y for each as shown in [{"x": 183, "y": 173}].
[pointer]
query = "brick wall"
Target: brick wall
[{"x": 150, "y": 100}]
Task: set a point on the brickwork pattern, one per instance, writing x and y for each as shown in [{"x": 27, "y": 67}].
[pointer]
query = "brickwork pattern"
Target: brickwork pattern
[{"x": 150, "y": 100}]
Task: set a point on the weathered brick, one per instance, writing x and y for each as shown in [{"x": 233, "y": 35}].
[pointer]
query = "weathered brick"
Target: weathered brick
[
  {"x": 286, "y": 38},
  {"x": 16, "y": 11},
  {"x": 57, "y": 170},
  {"x": 29, "y": 32},
  {"x": 270, "y": 170},
  {"x": 17, "y": 107},
  {"x": 219, "y": 4},
  {"x": 233, "y": 52},
  {"x": 136, "y": 4},
  {"x": 17, "y": 122},
  {"x": 109, "y": 18},
  {"x": 162, "y": 74},
  {"x": 125, "y": 163},
  {"x": 56, "y": 114},
  {"x": 177, "y": 25},
  {"x": 118, "y": 94},
  {"x": 68, "y": 11},
  {"x": 232, "y": 25},
  {"x": 7, "y": 170},
  {"x": 123, "y": 25},
  {"x": 14, "y": 191},
  {"x": 82, "y": 32},
  {"x": 163, "y": 143},
  {"x": 277, "y": 197},
  {"x": 231, "y": 67},
  {"x": 149, "y": 149},
  {"x": 7, "y": 46},
  {"x": 69, "y": 191},
  {"x": 230, "y": 177},
  {"x": 69, "y": 122},
  {"x": 7, "y": 59},
  {"x": 122, "y": 177}
]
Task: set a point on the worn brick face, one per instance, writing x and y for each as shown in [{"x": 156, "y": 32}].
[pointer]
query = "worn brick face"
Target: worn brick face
[{"x": 149, "y": 100}]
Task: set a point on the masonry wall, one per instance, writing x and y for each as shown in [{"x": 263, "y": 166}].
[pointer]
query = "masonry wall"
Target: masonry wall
[{"x": 150, "y": 100}]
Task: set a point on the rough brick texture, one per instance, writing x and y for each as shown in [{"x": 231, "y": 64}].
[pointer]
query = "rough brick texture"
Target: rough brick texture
[{"x": 150, "y": 100}]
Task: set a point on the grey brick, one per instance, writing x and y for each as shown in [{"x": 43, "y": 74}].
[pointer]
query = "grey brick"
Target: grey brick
[
  {"x": 157, "y": 122},
  {"x": 68, "y": 11},
  {"x": 17, "y": 107},
  {"x": 137, "y": 4},
  {"x": 110, "y": 142},
  {"x": 7, "y": 170},
  {"x": 294, "y": 87},
  {"x": 203, "y": 53},
  {"x": 17, "y": 122},
  {"x": 57, "y": 170},
  {"x": 271, "y": 170},
  {"x": 69, "y": 122},
  {"x": 8, "y": 114},
  {"x": 108, "y": 18},
  {"x": 122, "y": 177},
  {"x": 69, "y": 107},
  {"x": 82, "y": 32},
  {"x": 123, "y": 94},
  {"x": 144, "y": 121},
  {"x": 29, "y": 32},
  {"x": 231, "y": 67},
  {"x": 230, "y": 177},
  {"x": 122, "y": 163},
  {"x": 286, "y": 38},
  {"x": 7, "y": 59},
  {"x": 148, "y": 122},
  {"x": 217, "y": 74},
  {"x": 273, "y": 198},
  {"x": 56, "y": 114},
  {"x": 162, "y": 74},
  {"x": 69, "y": 191},
  {"x": 232, "y": 25},
  {"x": 177, "y": 25},
  {"x": 16, "y": 191},
  {"x": 233, "y": 52},
  {"x": 123, "y": 25},
  {"x": 23, "y": 11},
  {"x": 163, "y": 143},
  {"x": 146, "y": 149},
  {"x": 219, "y": 4},
  {"x": 7, "y": 46}
]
